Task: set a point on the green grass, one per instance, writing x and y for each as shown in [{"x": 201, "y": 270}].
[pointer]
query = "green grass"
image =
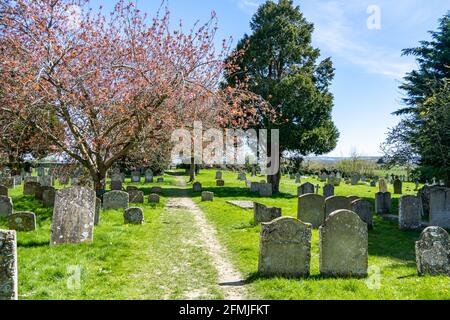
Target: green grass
[{"x": 391, "y": 251}]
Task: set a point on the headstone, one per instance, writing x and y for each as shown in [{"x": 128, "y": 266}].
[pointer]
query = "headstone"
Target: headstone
[
  {"x": 285, "y": 248},
  {"x": 336, "y": 203},
  {"x": 254, "y": 187},
  {"x": 117, "y": 176},
  {"x": 136, "y": 196},
  {"x": 297, "y": 178},
  {"x": 364, "y": 209},
  {"x": 149, "y": 176},
  {"x": 305, "y": 189},
  {"x": 3, "y": 191},
  {"x": 433, "y": 252},
  {"x": 116, "y": 185},
  {"x": 383, "y": 203},
  {"x": 207, "y": 196},
  {"x": 410, "y": 213},
  {"x": 6, "y": 206},
  {"x": 29, "y": 188},
  {"x": 328, "y": 191},
  {"x": 30, "y": 179},
  {"x": 373, "y": 183},
  {"x": 39, "y": 194},
  {"x": 22, "y": 221},
  {"x": 156, "y": 190},
  {"x": 40, "y": 171},
  {"x": 220, "y": 183},
  {"x": 46, "y": 181},
  {"x": 355, "y": 179},
  {"x": 114, "y": 200},
  {"x": 135, "y": 177},
  {"x": 265, "y": 189},
  {"x": 310, "y": 209},
  {"x": 382, "y": 185},
  {"x": 243, "y": 204},
  {"x": 197, "y": 187},
  {"x": 8, "y": 265},
  {"x": 335, "y": 181},
  {"x": 17, "y": 180},
  {"x": 160, "y": 180},
  {"x": 133, "y": 216},
  {"x": 98, "y": 207},
  {"x": 265, "y": 214},
  {"x": 353, "y": 198},
  {"x": 343, "y": 245},
  {"x": 219, "y": 175},
  {"x": 153, "y": 198},
  {"x": 73, "y": 216},
  {"x": 398, "y": 186},
  {"x": 323, "y": 177},
  {"x": 48, "y": 197},
  {"x": 132, "y": 188},
  {"x": 440, "y": 207}
]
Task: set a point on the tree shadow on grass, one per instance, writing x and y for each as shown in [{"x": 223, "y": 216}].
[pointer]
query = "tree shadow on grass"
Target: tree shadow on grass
[
  {"x": 33, "y": 244},
  {"x": 256, "y": 276}
]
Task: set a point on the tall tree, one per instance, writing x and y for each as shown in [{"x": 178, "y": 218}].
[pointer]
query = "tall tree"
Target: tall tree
[{"x": 279, "y": 63}]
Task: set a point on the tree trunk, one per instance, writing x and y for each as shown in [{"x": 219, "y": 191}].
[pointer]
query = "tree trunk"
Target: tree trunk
[
  {"x": 275, "y": 181},
  {"x": 192, "y": 170}
]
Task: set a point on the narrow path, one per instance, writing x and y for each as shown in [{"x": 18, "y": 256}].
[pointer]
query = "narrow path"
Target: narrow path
[{"x": 230, "y": 280}]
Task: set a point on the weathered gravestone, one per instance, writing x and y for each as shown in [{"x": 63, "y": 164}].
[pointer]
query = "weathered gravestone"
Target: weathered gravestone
[
  {"x": 133, "y": 216},
  {"x": 355, "y": 179},
  {"x": 30, "y": 179},
  {"x": 8, "y": 265},
  {"x": 343, "y": 245},
  {"x": 310, "y": 209},
  {"x": 265, "y": 214},
  {"x": 40, "y": 171},
  {"x": 207, "y": 196},
  {"x": 153, "y": 198},
  {"x": 265, "y": 189},
  {"x": 285, "y": 248},
  {"x": 197, "y": 187},
  {"x": 29, "y": 188},
  {"x": 364, "y": 209},
  {"x": 136, "y": 196},
  {"x": 135, "y": 176},
  {"x": 98, "y": 207},
  {"x": 383, "y": 203},
  {"x": 433, "y": 252},
  {"x": 39, "y": 194},
  {"x": 440, "y": 207},
  {"x": 219, "y": 175},
  {"x": 298, "y": 179},
  {"x": 6, "y": 206},
  {"x": 254, "y": 187},
  {"x": 382, "y": 185},
  {"x": 242, "y": 176},
  {"x": 410, "y": 213},
  {"x": 22, "y": 221},
  {"x": 73, "y": 216},
  {"x": 323, "y": 177},
  {"x": 156, "y": 190},
  {"x": 336, "y": 203},
  {"x": 46, "y": 181},
  {"x": 398, "y": 186},
  {"x": 48, "y": 198},
  {"x": 305, "y": 189},
  {"x": 373, "y": 183},
  {"x": 116, "y": 185},
  {"x": 132, "y": 188},
  {"x": 328, "y": 191},
  {"x": 220, "y": 183},
  {"x": 353, "y": 198},
  {"x": 114, "y": 200},
  {"x": 3, "y": 191},
  {"x": 149, "y": 176},
  {"x": 243, "y": 204},
  {"x": 160, "y": 180},
  {"x": 335, "y": 181},
  {"x": 17, "y": 180}
]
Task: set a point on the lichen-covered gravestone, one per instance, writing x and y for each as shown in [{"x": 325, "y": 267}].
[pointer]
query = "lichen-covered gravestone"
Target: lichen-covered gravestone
[
  {"x": 136, "y": 196},
  {"x": 265, "y": 189},
  {"x": 29, "y": 188},
  {"x": 310, "y": 209},
  {"x": 116, "y": 185},
  {"x": 382, "y": 185},
  {"x": 353, "y": 198},
  {"x": 153, "y": 198},
  {"x": 197, "y": 187},
  {"x": 6, "y": 206},
  {"x": 73, "y": 216},
  {"x": 207, "y": 196},
  {"x": 220, "y": 183},
  {"x": 22, "y": 221},
  {"x": 46, "y": 181},
  {"x": 410, "y": 213},
  {"x": 149, "y": 176},
  {"x": 383, "y": 203},
  {"x": 114, "y": 200},
  {"x": 398, "y": 186},
  {"x": 40, "y": 192},
  {"x": 305, "y": 189},
  {"x": 285, "y": 248},
  {"x": 133, "y": 216},
  {"x": 8, "y": 265},
  {"x": 440, "y": 207},
  {"x": 433, "y": 252},
  {"x": 343, "y": 245},
  {"x": 336, "y": 203},
  {"x": 48, "y": 198},
  {"x": 265, "y": 214},
  {"x": 328, "y": 191},
  {"x": 364, "y": 209},
  {"x": 3, "y": 191}
]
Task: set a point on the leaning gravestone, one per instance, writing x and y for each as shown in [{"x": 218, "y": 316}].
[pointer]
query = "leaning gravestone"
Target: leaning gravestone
[
  {"x": 398, "y": 185},
  {"x": 433, "y": 252},
  {"x": 440, "y": 207},
  {"x": 153, "y": 198},
  {"x": 207, "y": 196},
  {"x": 133, "y": 216},
  {"x": 410, "y": 213},
  {"x": 136, "y": 196},
  {"x": 364, "y": 209},
  {"x": 3, "y": 191},
  {"x": 8, "y": 265},
  {"x": 6, "y": 206},
  {"x": 22, "y": 221},
  {"x": 382, "y": 203},
  {"x": 285, "y": 248},
  {"x": 343, "y": 245},
  {"x": 48, "y": 198},
  {"x": 265, "y": 214},
  {"x": 197, "y": 187},
  {"x": 305, "y": 189},
  {"x": 29, "y": 189},
  {"x": 328, "y": 191},
  {"x": 114, "y": 200},
  {"x": 265, "y": 189},
  {"x": 73, "y": 216},
  {"x": 336, "y": 203},
  {"x": 310, "y": 209}
]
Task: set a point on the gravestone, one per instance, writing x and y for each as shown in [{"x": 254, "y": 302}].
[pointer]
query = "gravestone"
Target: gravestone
[
  {"x": 285, "y": 248},
  {"x": 7, "y": 182},
  {"x": 156, "y": 190},
  {"x": 382, "y": 185},
  {"x": 373, "y": 183},
  {"x": 29, "y": 188},
  {"x": 242, "y": 176},
  {"x": 336, "y": 203},
  {"x": 243, "y": 204},
  {"x": 133, "y": 216},
  {"x": 117, "y": 176},
  {"x": 40, "y": 171},
  {"x": 17, "y": 180},
  {"x": 98, "y": 207},
  {"x": 3, "y": 191},
  {"x": 343, "y": 245},
  {"x": 305, "y": 189},
  {"x": 116, "y": 185},
  {"x": 433, "y": 252},
  {"x": 48, "y": 198},
  {"x": 383, "y": 203},
  {"x": 153, "y": 198},
  {"x": 114, "y": 200},
  {"x": 265, "y": 189},
  {"x": 440, "y": 207},
  {"x": 132, "y": 188},
  {"x": 328, "y": 191},
  {"x": 355, "y": 179},
  {"x": 6, "y": 206},
  {"x": 353, "y": 198},
  {"x": 254, "y": 187},
  {"x": 220, "y": 183},
  {"x": 160, "y": 180},
  {"x": 364, "y": 209},
  {"x": 135, "y": 177},
  {"x": 207, "y": 196},
  {"x": 398, "y": 186},
  {"x": 46, "y": 181},
  {"x": 30, "y": 179},
  {"x": 149, "y": 176},
  {"x": 310, "y": 209},
  {"x": 73, "y": 216},
  {"x": 297, "y": 179},
  {"x": 323, "y": 177},
  {"x": 8, "y": 265},
  {"x": 22, "y": 221},
  {"x": 136, "y": 196},
  {"x": 197, "y": 187},
  {"x": 263, "y": 213},
  {"x": 410, "y": 213},
  {"x": 335, "y": 181},
  {"x": 219, "y": 175},
  {"x": 39, "y": 194}
]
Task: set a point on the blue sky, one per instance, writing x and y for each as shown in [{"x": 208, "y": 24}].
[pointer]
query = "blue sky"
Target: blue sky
[{"x": 368, "y": 62}]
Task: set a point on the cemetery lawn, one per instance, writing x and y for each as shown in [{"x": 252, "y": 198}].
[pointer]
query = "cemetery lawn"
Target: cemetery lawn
[
  {"x": 392, "y": 267},
  {"x": 158, "y": 260}
]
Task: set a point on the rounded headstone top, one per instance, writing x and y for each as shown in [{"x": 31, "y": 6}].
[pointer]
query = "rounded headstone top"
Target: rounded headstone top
[
  {"x": 343, "y": 215},
  {"x": 434, "y": 234}
]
